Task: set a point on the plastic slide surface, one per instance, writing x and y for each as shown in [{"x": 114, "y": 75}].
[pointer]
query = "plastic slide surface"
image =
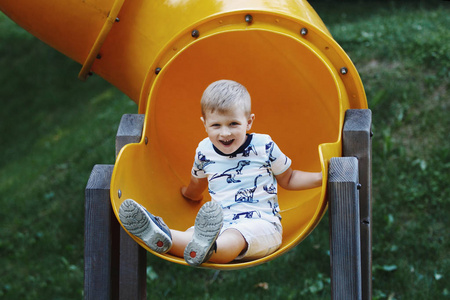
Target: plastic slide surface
[{"x": 163, "y": 54}]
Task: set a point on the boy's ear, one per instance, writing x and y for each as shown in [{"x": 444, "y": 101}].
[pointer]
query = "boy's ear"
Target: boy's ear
[
  {"x": 203, "y": 121},
  {"x": 250, "y": 121}
]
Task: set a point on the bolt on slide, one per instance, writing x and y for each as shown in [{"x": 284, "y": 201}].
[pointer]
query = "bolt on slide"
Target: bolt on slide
[{"x": 163, "y": 54}]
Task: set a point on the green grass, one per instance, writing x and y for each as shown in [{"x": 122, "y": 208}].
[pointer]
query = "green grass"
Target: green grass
[{"x": 54, "y": 128}]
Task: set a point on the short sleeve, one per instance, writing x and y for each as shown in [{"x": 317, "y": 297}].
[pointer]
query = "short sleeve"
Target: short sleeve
[
  {"x": 200, "y": 160},
  {"x": 199, "y": 164},
  {"x": 279, "y": 161}
]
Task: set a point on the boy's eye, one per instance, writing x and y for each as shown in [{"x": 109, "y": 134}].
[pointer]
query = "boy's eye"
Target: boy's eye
[{"x": 234, "y": 123}]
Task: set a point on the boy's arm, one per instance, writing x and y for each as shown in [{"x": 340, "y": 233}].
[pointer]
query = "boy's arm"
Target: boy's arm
[
  {"x": 194, "y": 191},
  {"x": 299, "y": 180}
]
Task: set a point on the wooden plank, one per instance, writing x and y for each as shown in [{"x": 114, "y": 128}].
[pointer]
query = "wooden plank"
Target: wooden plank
[
  {"x": 357, "y": 143},
  {"x": 133, "y": 258},
  {"x": 133, "y": 277},
  {"x": 129, "y": 131},
  {"x": 345, "y": 252},
  {"x": 100, "y": 281}
]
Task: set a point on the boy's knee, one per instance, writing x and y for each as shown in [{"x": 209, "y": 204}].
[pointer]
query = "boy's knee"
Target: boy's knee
[{"x": 230, "y": 245}]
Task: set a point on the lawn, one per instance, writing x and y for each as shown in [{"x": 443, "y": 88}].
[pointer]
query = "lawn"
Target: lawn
[{"x": 54, "y": 129}]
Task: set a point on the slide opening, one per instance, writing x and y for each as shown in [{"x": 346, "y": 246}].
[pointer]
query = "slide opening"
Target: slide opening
[{"x": 297, "y": 98}]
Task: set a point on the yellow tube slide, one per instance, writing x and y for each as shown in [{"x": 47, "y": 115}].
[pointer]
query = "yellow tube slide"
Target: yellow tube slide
[{"x": 163, "y": 54}]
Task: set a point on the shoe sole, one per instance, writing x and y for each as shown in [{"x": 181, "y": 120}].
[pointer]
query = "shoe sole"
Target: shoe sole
[
  {"x": 206, "y": 230},
  {"x": 139, "y": 223}
]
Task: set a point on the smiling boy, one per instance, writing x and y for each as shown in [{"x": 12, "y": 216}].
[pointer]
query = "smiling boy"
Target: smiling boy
[{"x": 241, "y": 172}]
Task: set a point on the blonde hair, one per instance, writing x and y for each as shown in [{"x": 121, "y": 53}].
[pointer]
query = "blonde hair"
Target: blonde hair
[{"x": 225, "y": 95}]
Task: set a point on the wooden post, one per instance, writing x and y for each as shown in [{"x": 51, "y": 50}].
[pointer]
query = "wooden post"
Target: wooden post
[
  {"x": 129, "y": 131},
  {"x": 100, "y": 266},
  {"x": 115, "y": 265},
  {"x": 345, "y": 252},
  {"x": 132, "y": 278},
  {"x": 357, "y": 143}
]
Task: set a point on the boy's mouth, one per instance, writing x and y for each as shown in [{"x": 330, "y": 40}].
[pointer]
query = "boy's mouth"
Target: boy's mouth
[{"x": 227, "y": 142}]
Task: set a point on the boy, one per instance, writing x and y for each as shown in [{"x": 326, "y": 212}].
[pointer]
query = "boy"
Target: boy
[{"x": 241, "y": 171}]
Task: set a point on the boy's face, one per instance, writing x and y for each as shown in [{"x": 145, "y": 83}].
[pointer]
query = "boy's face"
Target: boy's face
[{"x": 227, "y": 131}]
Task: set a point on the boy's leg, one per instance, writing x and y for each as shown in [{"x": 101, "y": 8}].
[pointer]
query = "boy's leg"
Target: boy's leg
[
  {"x": 142, "y": 224},
  {"x": 180, "y": 239},
  {"x": 208, "y": 224},
  {"x": 155, "y": 234},
  {"x": 230, "y": 244}
]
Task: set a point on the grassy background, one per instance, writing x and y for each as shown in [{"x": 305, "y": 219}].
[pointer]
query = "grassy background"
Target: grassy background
[{"x": 53, "y": 129}]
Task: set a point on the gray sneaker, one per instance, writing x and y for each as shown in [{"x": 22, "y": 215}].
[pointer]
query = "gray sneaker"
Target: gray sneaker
[
  {"x": 208, "y": 224},
  {"x": 142, "y": 224}
]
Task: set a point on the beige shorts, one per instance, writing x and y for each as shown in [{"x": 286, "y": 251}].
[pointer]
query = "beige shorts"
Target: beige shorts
[{"x": 263, "y": 237}]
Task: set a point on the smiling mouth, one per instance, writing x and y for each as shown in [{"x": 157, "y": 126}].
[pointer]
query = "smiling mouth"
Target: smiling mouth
[{"x": 227, "y": 143}]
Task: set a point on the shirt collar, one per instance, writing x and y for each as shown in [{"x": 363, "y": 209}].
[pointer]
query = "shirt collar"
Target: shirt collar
[{"x": 239, "y": 150}]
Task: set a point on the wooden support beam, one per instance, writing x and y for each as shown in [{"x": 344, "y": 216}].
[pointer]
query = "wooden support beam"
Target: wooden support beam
[
  {"x": 115, "y": 265},
  {"x": 345, "y": 252},
  {"x": 133, "y": 263},
  {"x": 357, "y": 142},
  {"x": 100, "y": 268},
  {"x": 132, "y": 278},
  {"x": 129, "y": 131}
]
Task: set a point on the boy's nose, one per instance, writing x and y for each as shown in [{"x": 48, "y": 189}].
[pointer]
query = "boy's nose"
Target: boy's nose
[{"x": 225, "y": 131}]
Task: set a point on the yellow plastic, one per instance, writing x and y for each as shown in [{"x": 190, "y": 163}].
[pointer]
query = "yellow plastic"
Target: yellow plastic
[{"x": 300, "y": 80}]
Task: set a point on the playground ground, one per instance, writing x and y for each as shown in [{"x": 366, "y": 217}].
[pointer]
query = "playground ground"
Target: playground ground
[{"x": 54, "y": 128}]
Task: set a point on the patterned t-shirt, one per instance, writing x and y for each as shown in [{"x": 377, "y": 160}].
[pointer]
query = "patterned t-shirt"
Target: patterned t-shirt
[{"x": 243, "y": 182}]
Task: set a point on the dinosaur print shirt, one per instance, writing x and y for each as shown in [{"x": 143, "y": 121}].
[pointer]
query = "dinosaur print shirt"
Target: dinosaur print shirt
[{"x": 243, "y": 182}]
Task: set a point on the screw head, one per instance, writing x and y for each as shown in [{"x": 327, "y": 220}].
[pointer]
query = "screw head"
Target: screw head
[
  {"x": 157, "y": 70},
  {"x": 344, "y": 70},
  {"x": 117, "y": 19},
  {"x": 195, "y": 33},
  {"x": 146, "y": 140},
  {"x": 304, "y": 31},
  {"x": 249, "y": 18},
  {"x": 119, "y": 193},
  {"x": 358, "y": 186},
  {"x": 99, "y": 56}
]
